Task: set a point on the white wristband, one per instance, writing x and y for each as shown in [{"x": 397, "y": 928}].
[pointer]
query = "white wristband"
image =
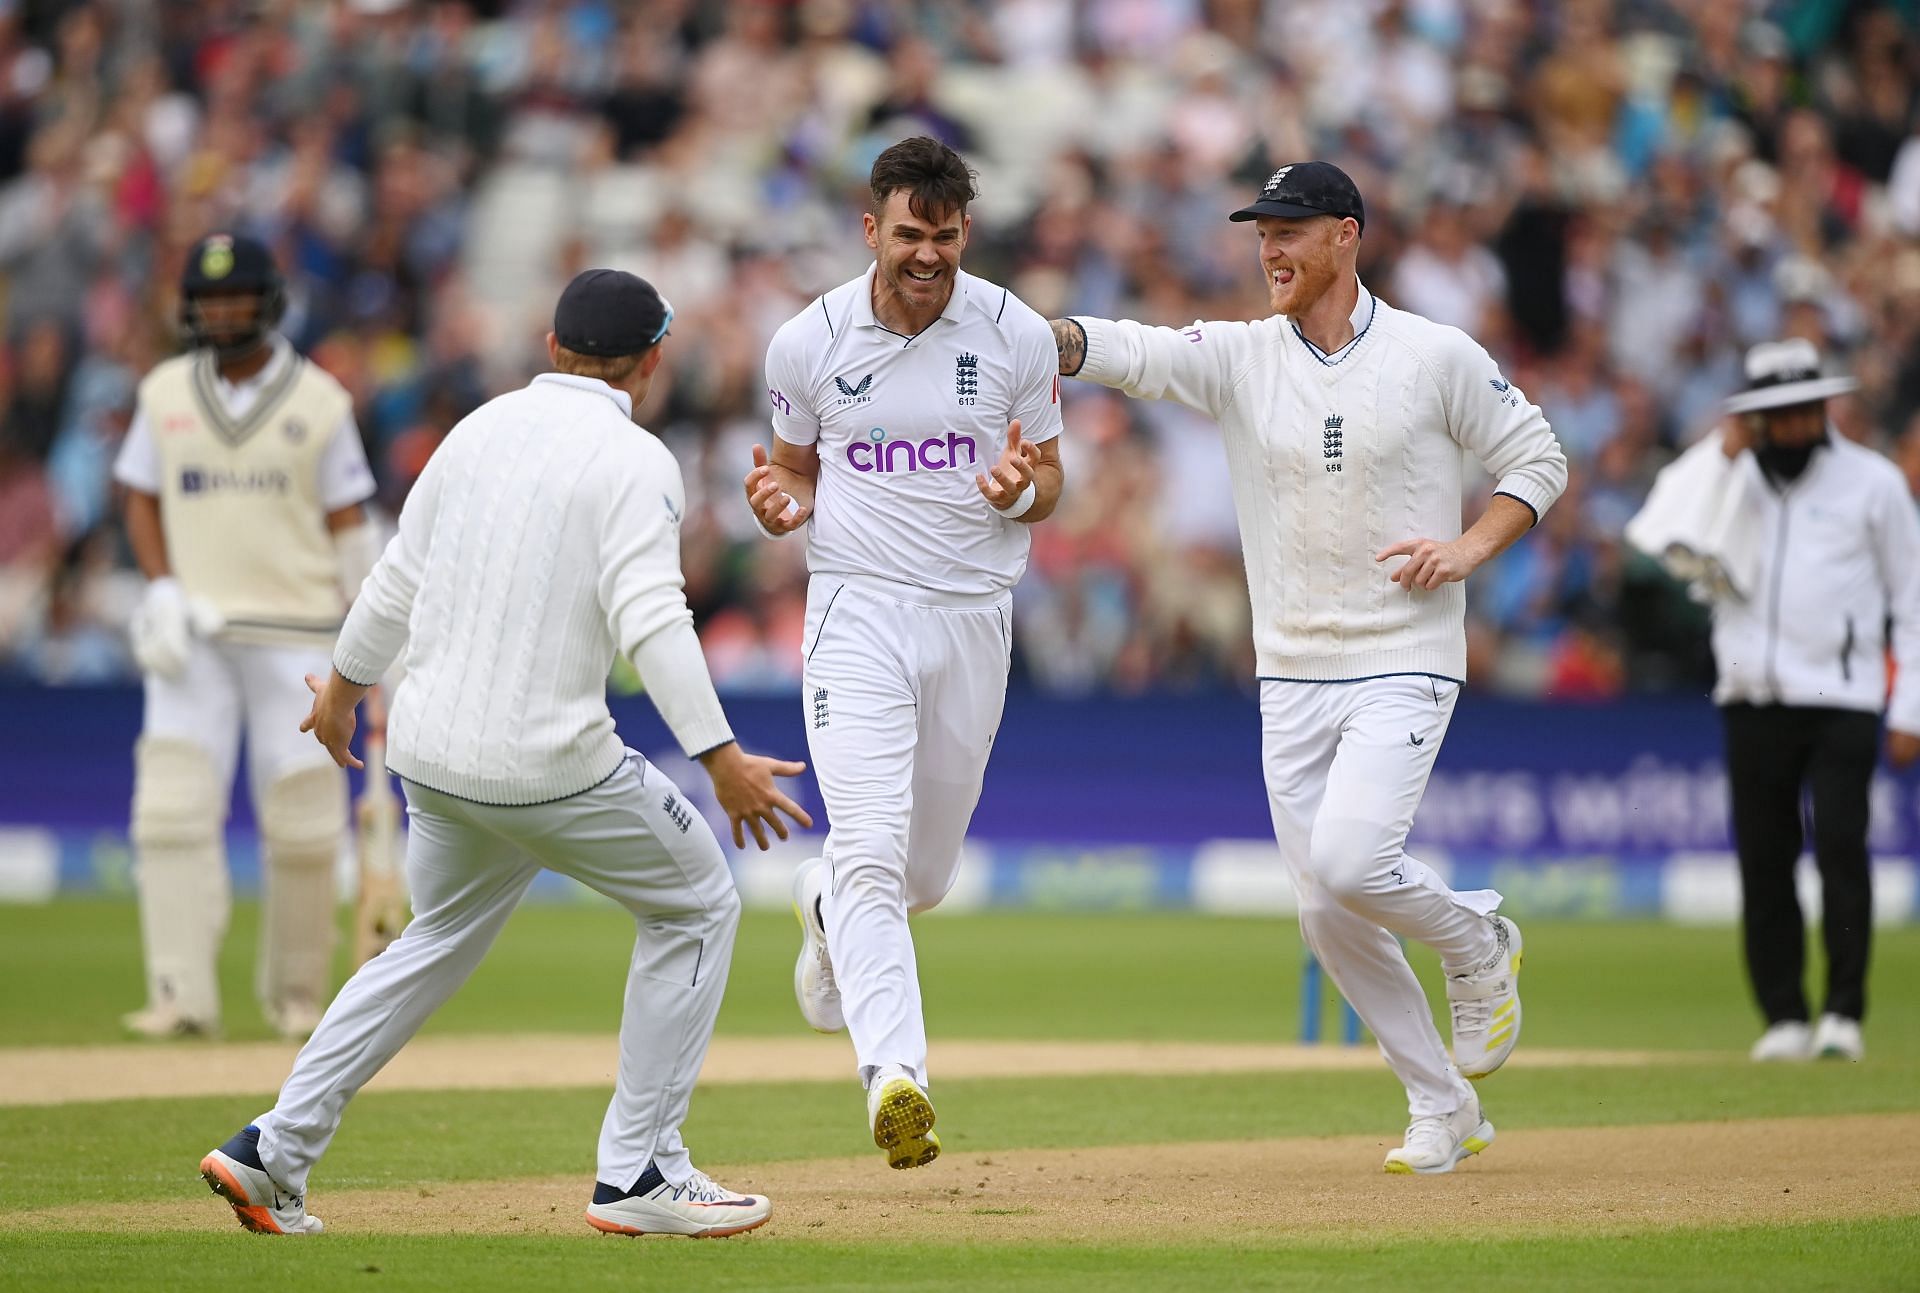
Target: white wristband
[
  {"x": 792, "y": 506},
  {"x": 1021, "y": 505}
]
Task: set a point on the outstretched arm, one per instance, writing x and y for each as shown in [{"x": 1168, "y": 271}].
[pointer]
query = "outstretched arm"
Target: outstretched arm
[{"x": 1195, "y": 366}]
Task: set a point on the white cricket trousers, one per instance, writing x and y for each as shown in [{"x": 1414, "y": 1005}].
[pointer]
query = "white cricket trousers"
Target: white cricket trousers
[
  {"x": 633, "y": 838},
  {"x": 903, "y": 693},
  {"x": 1346, "y": 764}
]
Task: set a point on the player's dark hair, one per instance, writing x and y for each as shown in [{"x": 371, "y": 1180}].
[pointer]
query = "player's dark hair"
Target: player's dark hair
[{"x": 938, "y": 180}]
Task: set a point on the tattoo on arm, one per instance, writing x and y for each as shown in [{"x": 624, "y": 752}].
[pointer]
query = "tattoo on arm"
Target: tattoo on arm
[{"x": 1071, "y": 340}]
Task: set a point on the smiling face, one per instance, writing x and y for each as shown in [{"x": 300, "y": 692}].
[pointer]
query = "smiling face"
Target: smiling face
[
  {"x": 918, "y": 256},
  {"x": 1304, "y": 257}
]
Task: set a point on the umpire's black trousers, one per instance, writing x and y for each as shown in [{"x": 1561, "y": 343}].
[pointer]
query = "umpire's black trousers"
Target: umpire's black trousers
[{"x": 1776, "y": 754}]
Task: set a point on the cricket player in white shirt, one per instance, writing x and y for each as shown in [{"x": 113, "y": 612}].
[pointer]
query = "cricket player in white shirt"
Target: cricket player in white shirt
[
  {"x": 915, "y": 416},
  {"x": 245, "y": 478},
  {"x": 1345, "y": 421},
  {"x": 543, "y": 537}
]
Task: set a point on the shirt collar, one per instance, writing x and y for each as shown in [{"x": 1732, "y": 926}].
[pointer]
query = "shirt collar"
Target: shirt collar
[
  {"x": 1361, "y": 319},
  {"x": 621, "y": 399},
  {"x": 863, "y": 300}
]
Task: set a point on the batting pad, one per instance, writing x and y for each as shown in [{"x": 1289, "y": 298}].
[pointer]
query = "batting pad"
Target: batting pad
[
  {"x": 180, "y": 873},
  {"x": 303, "y": 817}
]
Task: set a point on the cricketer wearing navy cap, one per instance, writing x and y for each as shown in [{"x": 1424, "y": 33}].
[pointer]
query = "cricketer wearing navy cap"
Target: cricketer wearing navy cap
[
  {"x": 609, "y": 312},
  {"x": 1306, "y": 189},
  {"x": 1346, "y": 422}
]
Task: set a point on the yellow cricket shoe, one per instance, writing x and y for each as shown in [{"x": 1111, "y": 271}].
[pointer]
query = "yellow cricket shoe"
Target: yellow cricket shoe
[{"x": 901, "y": 1116}]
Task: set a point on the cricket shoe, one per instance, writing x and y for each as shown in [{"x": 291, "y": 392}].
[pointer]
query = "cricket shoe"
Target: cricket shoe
[
  {"x": 701, "y": 1208},
  {"x": 1837, "y": 1037},
  {"x": 164, "y": 1023},
  {"x": 1434, "y": 1144},
  {"x": 1786, "y": 1041},
  {"x": 235, "y": 1173},
  {"x": 813, "y": 985},
  {"x": 1486, "y": 1006},
  {"x": 901, "y": 1117},
  {"x": 294, "y": 1020}
]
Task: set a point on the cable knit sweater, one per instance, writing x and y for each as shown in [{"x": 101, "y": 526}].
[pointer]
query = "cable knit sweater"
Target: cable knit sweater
[
  {"x": 543, "y": 536},
  {"x": 1335, "y": 457}
]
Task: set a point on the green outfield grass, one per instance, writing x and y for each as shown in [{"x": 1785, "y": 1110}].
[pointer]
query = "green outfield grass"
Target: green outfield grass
[
  {"x": 1851, "y": 1256},
  {"x": 73, "y": 968}
]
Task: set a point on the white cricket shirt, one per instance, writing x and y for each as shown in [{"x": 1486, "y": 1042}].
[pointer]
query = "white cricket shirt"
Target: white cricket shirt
[{"x": 904, "y": 424}]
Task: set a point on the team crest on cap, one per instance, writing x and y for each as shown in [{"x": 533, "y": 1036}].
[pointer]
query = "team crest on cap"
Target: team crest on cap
[
  {"x": 216, "y": 258},
  {"x": 1274, "y": 181}
]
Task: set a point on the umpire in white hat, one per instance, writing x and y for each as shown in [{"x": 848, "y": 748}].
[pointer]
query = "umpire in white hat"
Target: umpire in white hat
[{"x": 1807, "y": 548}]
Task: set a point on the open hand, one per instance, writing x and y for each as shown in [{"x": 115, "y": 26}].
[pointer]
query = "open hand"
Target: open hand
[
  {"x": 743, "y": 783},
  {"x": 1428, "y": 564},
  {"x": 777, "y": 510},
  {"x": 1009, "y": 477},
  {"x": 331, "y": 720}
]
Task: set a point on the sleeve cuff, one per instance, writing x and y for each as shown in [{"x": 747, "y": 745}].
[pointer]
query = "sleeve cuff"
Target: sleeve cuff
[
  {"x": 1507, "y": 493},
  {"x": 357, "y": 670},
  {"x": 1522, "y": 490},
  {"x": 1099, "y": 352}
]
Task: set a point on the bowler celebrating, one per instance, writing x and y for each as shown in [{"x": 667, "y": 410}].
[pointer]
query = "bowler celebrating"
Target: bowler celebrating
[
  {"x": 543, "y": 537},
  {"x": 915, "y": 411},
  {"x": 1344, "y": 421}
]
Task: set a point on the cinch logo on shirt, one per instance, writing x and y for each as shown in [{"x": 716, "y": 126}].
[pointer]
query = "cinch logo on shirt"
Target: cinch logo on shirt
[
  {"x": 196, "y": 480},
  {"x": 936, "y": 453}
]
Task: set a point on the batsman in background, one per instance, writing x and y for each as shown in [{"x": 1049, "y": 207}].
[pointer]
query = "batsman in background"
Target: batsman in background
[
  {"x": 245, "y": 478},
  {"x": 915, "y": 411},
  {"x": 1345, "y": 423}
]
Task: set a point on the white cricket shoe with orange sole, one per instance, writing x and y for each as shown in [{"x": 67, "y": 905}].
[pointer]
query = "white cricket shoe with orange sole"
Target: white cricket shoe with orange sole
[
  {"x": 235, "y": 1173},
  {"x": 700, "y": 1208}
]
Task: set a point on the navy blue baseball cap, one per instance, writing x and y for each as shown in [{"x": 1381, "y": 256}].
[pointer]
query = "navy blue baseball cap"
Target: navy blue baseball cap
[
  {"x": 610, "y": 312},
  {"x": 1306, "y": 189}
]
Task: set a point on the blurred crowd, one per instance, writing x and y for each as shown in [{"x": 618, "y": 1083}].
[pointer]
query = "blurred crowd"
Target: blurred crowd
[{"x": 1615, "y": 196}]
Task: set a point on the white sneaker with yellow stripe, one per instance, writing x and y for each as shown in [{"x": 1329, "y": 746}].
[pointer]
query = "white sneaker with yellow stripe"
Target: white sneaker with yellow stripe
[
  {"x": 1436, "y": 1142},
  {"x": 1486, "y": 1006}
]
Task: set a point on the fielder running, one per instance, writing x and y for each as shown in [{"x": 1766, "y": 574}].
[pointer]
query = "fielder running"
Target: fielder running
[
  {"x": 542, "y": 538},
  {"x": 915, "y": 411},
  {"x": 245, "y": 479},
  {"x": 1344, "y": 421}
]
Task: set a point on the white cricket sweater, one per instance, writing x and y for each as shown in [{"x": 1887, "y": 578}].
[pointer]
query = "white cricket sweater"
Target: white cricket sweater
[
  {"x": 1335, "y": 457},
  {"x": 543, "y": 536}
]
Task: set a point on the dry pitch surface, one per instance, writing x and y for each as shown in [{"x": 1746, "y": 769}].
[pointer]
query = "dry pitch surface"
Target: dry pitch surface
[{"x": 1559, "y": 1180}]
